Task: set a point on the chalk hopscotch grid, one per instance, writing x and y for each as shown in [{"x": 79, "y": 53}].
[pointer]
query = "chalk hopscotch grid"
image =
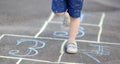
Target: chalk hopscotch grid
[
  {"x": 62, "y": 47},
  {"x": 42, "y": 60},
  {"x": 41, "y": 30},
  {"x": 99, "y": 25},
  {"x": 114, "y": 43},
  {"x": 61, "y": 51}
]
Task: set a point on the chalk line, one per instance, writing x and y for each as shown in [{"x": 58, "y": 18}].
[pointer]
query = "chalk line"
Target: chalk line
[
  {"x": 18, "y": 62},
  {"x": 45, "y": 25},
  {"x": 61, "y": 51},
  {"x": 20, "y": 59},
  {"x": 100, "y": 25},
  {"x": 86, "y": 24},
  {"x": 2, "y": 36},
  {"x": 35, "y": 60},
  {"x": 88, "y": 41}
]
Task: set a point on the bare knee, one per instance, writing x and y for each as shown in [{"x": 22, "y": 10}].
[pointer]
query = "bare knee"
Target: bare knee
[
  {"x": 59, "y": 14},
  {"x": 75, "y": 19}
]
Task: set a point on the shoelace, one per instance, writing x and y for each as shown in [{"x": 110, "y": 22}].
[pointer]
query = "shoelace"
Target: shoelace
[{"x": 72, "y": 45}]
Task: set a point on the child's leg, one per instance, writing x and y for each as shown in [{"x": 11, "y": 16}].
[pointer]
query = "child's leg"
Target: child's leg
[
  {"x": 74, "y": 27},
  {"x": 73, "y": 30},
  {"x": 64, "y": 14},
  {"x": 73, "y": 7},
  {"x": 74, "y": 10}
]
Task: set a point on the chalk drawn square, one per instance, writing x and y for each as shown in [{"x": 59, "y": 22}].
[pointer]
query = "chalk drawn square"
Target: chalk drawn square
[
  {"x": 91, "y": 53},
  {"x": 56, "y": 30},
  {"x": 110, "y": 36},
  {"x": 91, "y": 18},
  {"x": 22, "y": 27},
  {"x": 30, "y": 49},
  {"x": 7, "y": 61},
  {"x": 111, "y": 28}
]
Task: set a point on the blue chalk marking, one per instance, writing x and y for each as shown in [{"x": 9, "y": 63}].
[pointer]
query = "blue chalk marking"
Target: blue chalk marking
[
  {"x": 91, "y": 57},
  {"x": 86, "y": 52},
  {"x": 64, "y": 34},
  {"x": 31, "y": 40},
  {"x": 82, "y": 17},
  {"x": 81, "y": 32},
  {"x": 99, "y": 51},
  {"x": 32, "y": 50},
  {"x": 98, "y": 48}
]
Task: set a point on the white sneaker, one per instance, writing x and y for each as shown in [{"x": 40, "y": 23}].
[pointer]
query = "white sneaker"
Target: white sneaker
[{"x": 72, "y": 47}]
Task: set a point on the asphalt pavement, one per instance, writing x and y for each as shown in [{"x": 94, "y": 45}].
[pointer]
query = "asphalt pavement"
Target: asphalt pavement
[{"x": 31, "y": 34}]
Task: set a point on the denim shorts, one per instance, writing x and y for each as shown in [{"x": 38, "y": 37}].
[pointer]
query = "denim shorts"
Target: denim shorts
[{"x": 73, "y": 7}]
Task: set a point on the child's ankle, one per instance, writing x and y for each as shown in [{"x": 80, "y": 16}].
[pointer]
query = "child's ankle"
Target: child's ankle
[{"x": 71, "y": 41}]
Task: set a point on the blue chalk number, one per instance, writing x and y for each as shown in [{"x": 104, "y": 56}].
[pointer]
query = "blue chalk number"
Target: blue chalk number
[{"x": 33, "y": 50}]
